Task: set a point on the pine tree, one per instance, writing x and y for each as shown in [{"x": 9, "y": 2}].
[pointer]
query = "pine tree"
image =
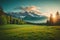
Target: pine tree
[
  {"x": 51, "y": 19},
  {"x": 57, "y": 18}
]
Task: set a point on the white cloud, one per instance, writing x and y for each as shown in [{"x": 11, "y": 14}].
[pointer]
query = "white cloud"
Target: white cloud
[{"x": 31, "y": 9}]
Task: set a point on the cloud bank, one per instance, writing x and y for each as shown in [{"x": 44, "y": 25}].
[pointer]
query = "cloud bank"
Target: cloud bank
[{"x": 34, "y": 9}]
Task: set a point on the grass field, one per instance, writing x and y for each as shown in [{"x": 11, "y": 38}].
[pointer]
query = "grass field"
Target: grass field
[{"x": 29, "y": 32}]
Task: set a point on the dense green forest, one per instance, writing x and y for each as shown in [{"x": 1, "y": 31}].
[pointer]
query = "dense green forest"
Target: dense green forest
[{"x": 6, "y": 19}]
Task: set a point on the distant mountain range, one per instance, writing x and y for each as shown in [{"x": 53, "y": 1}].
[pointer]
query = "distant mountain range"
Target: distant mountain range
[{"x": 29, "y": 17}]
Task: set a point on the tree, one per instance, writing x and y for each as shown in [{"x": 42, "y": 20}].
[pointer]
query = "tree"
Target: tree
[
  {"x": 57, "y": 18},
  {"x": 51, "y": 19},
  {"x": 3, "y": 20},
  {"x": 21, "y": 21}
]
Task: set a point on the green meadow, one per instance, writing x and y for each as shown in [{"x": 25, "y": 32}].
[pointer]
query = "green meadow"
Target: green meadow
[{"x": 29, "y": 32}]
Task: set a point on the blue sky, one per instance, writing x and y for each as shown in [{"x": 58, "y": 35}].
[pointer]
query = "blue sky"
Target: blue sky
[{"x": 46, "y": 6}]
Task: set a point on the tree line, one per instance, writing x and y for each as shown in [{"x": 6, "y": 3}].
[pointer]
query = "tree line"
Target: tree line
[
  {"x": 5, "y": 19},
  {"x": 54, "y": 20}
]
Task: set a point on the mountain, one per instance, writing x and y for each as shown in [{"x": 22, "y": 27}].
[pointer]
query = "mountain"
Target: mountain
[
  {"x": 34, "y": 18},
  {"x": 29, "y": 17}
]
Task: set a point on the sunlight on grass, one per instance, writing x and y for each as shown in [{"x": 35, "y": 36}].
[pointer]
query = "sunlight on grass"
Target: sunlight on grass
[{"x": 28, "y": 32}]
